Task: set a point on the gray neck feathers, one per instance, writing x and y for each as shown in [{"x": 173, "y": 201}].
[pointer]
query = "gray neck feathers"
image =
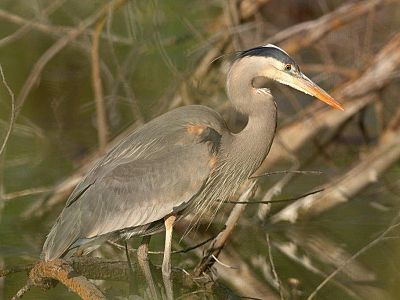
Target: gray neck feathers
[{"x": 250, "y": 146}]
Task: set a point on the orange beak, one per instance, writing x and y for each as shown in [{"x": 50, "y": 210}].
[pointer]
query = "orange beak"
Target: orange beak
[
  {"x": 302, "y": 83},
  {"x": 305, "y": 85}
]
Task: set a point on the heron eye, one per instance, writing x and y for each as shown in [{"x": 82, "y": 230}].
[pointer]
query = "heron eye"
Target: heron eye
[{"x": 288, "y": 67}]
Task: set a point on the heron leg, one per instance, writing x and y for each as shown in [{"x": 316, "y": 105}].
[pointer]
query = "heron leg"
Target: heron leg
[
  {"x": 166, "y": 265},
  {"x": 142, "y": 254},
  {"x": 169, "y": 224}
]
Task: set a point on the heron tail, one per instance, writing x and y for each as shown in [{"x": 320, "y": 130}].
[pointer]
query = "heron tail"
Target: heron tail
[{"x": 60, "y": 240}]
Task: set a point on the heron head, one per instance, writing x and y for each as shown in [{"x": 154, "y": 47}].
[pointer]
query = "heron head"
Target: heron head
[{"x": 275, "y": 64}]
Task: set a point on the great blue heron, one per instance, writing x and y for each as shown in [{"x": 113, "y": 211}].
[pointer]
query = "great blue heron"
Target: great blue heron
[{"x": 183, "y": 161}]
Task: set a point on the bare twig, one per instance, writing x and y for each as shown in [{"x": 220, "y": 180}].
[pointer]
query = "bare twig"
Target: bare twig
[
  {"x": 22, "y": 291},
  {"x": 27, "y": 192},
  {"x": 276, "y": 189},
  {"x": 162, "y": 252},
  {"x": 223, "y": 264},
  {"x": 273, "y": 269},
  {"x": 32, "y": 24},
  {"x": 54, "y": 30},
  {"x": 8, "y": 132},
  {"x": 288, "y": 172},
  {"x": 12, "y": 112},
  {"x": 275, "y": 201},
  {"x": 24, "y": 29}
]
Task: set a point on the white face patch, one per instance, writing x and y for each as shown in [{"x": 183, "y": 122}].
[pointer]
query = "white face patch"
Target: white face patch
[
  {"x": 263, "y": 91},
  {"x": 276, "y": 47}
]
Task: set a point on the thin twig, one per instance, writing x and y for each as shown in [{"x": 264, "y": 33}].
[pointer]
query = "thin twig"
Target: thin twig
[
  {"x": 276, "y": 189},
  {"x": 12, "y": 115},
  {"x": 22, "y": 291},
  {"x": 276, "y": 201},
  {"x": 24, "y": 29},
  {"x": 27, "y": 192},
  {"x": 222, "y": 264},
  {"x": 288, "y": 172},
  {"x": 189, "y": 248},
  {"x": 162, "y": 252},
  {"x": 273, "y": 269}
]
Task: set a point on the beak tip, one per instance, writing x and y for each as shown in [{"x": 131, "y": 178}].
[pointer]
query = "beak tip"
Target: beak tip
[{"x": 340, "y": 107}]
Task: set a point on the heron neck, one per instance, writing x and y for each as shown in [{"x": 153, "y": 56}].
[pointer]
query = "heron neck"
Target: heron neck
[{"x": 250, "y": 146}]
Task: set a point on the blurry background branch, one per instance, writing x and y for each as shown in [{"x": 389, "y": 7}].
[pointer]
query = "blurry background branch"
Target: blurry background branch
[
  {"x": 343, "y": 188},
  {"x": 102, "y": 127},
  {"x": 304, "y": 34}
]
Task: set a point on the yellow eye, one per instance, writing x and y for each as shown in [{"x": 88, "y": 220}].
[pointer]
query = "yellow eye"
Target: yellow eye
[{"x": 288, "y": 67}]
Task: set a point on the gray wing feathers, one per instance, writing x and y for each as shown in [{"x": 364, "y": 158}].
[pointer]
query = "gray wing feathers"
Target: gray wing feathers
[
  {"x": 154, "y": 172},
  {"x": 142, "y": 192},
  {"x": 63, "y": 233}
]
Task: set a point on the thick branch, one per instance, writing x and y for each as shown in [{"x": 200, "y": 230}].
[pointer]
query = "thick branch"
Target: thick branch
[{"x": 63, "y": 272}]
